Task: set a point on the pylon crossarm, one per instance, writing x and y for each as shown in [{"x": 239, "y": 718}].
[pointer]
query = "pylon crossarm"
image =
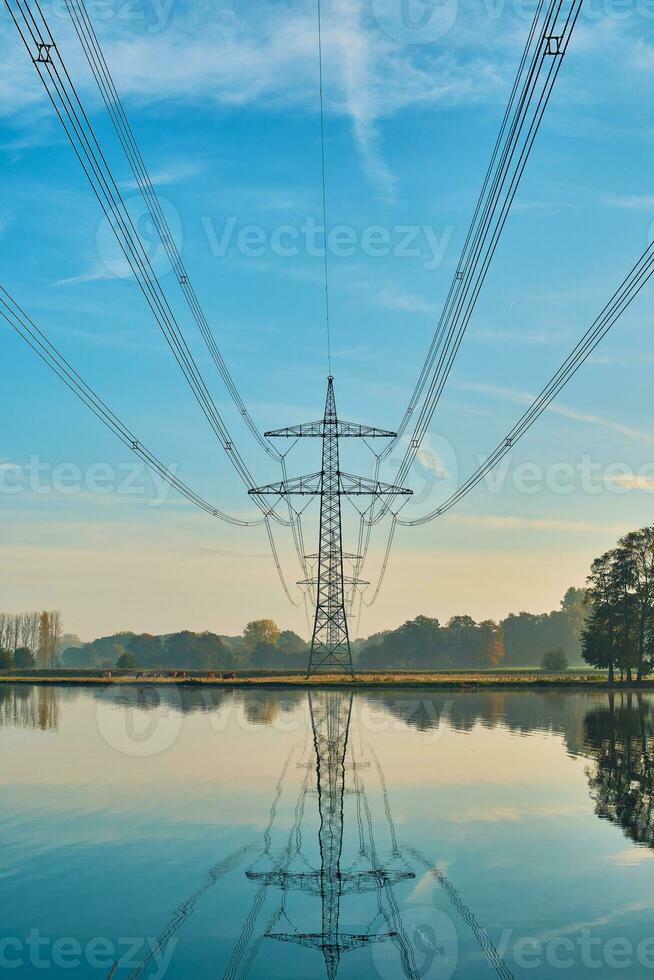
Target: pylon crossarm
[
  {"x": 351, "y": 485},
  {"x": 342, "y": 430},
  {"x": 306, "y": 430},
  {"x": 345, "y": 430},
  {"x": 309, "y": 485}
]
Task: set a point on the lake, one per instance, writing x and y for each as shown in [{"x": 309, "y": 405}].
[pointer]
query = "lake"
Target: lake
[{"x": 207, "y": 833}]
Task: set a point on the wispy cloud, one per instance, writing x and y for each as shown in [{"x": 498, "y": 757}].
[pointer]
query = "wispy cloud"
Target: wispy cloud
[
  {"x": 514, "y": 523},
  {"x": 521, "y": 336},
  {"x": 631, "y": 857},
  {"x": 172, "y": 174},
  {"x": 631, "y": 481},
  {"x": 266, "y": 56},
  {"x": 628, "y": 202},
  {"x": 526, "y": 398},
  {"x": 360, "y": 79},
  {"x": 396, "y": 299},
  {"x": 117, "y": 267}
]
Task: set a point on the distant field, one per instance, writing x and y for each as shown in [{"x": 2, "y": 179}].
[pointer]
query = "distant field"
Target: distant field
[{"x": 464, "y": 680}]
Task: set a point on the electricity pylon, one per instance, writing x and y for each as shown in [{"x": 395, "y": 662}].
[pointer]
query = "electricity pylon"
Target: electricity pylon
[{"x": 330, "y": 642}]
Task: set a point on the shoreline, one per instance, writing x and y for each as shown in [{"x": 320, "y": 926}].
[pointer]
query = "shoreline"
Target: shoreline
[{"x": 382, "y": 679}]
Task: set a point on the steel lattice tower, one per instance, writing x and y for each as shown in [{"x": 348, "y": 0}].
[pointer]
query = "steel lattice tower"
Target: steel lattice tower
[{"x": 330, "y": 642}]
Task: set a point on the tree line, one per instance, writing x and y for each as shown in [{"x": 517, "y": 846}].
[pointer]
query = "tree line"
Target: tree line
[
  {"x": 522, "y": 639},
  {"x": 31, "y": 639},
  {"x": 262, "y": 644},
  {"x": 550, "y": 640},
  {"x": 618, "y": 635}
]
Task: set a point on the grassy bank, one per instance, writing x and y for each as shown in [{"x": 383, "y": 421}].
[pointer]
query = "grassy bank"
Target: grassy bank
[{"x": 453, "y": 680}]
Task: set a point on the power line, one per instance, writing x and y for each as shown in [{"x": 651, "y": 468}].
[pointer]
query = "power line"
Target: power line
[
  {"x": 102, "y": 73},
  {"x": 67, "y": 104},
  {"x": 515, "y": 140},
  {"x": 324, "y": 191},
  {"x": 520, "y": 124},
  {"x": 19, "y": 321},
  {"x": 100, "y": 69},
  {"x": 622, "y": 298},
  {"x": 40, "y": 44}
]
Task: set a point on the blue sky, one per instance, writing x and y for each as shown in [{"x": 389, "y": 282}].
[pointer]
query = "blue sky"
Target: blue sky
[{"x": 223, "y": 100}]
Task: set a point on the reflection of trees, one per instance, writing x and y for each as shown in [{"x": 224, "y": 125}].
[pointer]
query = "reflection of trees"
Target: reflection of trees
[
  {"x": 259, "y": 707},
  {"x": 26, "y": 706},
  {"x": 620, "y": 739},
  {"x": 519, "y": 711}
]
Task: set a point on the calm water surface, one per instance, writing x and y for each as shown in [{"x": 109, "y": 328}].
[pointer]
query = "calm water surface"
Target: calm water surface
[{"x": 208, "y": 834}]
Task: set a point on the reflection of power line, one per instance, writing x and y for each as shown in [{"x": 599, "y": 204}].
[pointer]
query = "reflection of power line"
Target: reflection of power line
[
  {"x": 489, "y": 950},
  {"x": 214, "y": 875},
  {"x": 281, "y": 865},
  {"x": 187, "y": 908},
  {"x": 493, "y": 957},
  {"x": 391, "y": 916}
]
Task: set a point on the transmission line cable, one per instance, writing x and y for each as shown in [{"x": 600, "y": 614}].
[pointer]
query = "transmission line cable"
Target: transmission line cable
[
  {"x": 520, "y": 124},
  {"x": 324, "y": 189},
  {"x": 102, "y": 73},
  {"x": 96, "y": 59},
  {"x": 19, "y": 321},
  {"x": 66, "y": 102},
  {"x": 40, "y": 44},
  {"x": 625, "y": 294}
]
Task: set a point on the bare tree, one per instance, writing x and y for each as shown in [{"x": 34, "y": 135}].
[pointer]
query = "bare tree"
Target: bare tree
[{"x": 22, "y": 630}]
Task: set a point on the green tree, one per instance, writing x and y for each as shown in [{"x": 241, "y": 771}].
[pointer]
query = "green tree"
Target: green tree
[
  {"x": 554, "y": 661},
  {"x": 146, "y": 649},
  {"x": 6, "y": 660},
  {"x": 290, "y": 643},
  {"x": 600, "y": 634},
  {"x": 260, "y": 631},
  {"x": 491, "y": 643},
  {"x": 265, "y": 655},
  {"x": 196, "y": 651},
  {"x": 619, "y": 632},
  {"x": 24, "y": 658},
  {"x": 126, "y": 661}
]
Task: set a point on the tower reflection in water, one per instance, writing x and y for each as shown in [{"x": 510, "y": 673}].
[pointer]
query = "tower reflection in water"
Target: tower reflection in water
[{"x": 334, "y": 757}]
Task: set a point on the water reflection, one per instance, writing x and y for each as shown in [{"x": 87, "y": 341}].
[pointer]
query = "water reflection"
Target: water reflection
[
  {"x": 317, "y": 878},
  {"x": 620, "y": 739},
  {"x": 26, "y": 706}
]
